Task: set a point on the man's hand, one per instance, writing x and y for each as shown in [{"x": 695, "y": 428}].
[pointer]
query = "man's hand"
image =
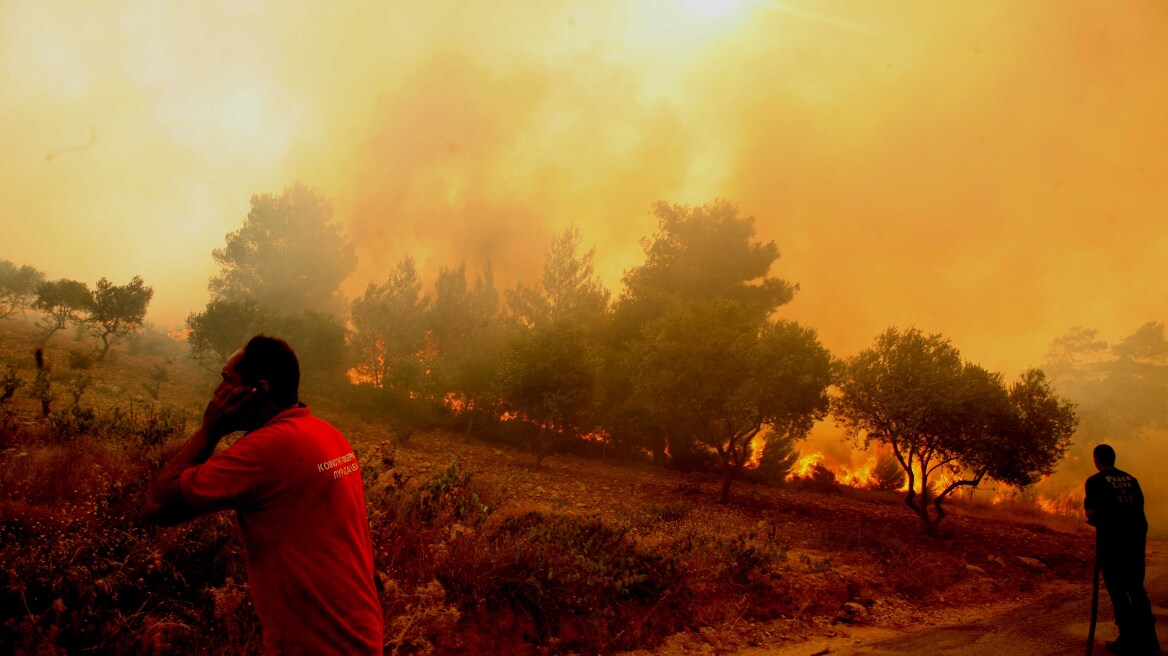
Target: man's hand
[{"x": 227, "y": 411}]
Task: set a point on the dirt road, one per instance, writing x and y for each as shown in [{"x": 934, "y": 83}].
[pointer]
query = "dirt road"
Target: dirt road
[{"x": 1055, "y": 625}]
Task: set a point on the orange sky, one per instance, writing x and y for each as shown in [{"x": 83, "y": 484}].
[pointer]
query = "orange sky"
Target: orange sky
[{"x": 991, "y": 171}]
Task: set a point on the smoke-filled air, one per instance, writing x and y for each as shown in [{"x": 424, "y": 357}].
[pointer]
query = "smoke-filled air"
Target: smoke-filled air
[{"x": 768, "y": 247}]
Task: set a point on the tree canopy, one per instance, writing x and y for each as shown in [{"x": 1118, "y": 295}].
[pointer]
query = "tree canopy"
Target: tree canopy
[
  {"x": 568, "y": 288},
  {"x": 117, "y": 310},
  {"x": 289, "y": 254},
  {"x": 950, "y": 423},
  {"x": 1120, "y": 388},
  {"x": 548, "y": 378},
  {"x": 468, "y": 338},
  {"x": 702, "y": 253},
  {"x": 61, "y": 301},
  {"x": 18, "y": 286},
  {"x": 224, "y": 326},
  {"x": 389, "y": 329},
  {"x": 729, "y": 374}
]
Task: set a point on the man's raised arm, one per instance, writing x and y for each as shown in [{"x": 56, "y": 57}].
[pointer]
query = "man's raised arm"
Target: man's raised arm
[{"x": 165, "y": 503}]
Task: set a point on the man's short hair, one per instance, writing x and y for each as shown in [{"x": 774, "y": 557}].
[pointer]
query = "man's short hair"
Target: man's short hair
[
  {"x": 1105, "y": 455},
  {"x": 271, "y": 359}
]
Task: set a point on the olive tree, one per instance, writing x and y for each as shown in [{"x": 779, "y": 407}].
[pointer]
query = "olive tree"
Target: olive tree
[
  {"x": 117, "y": 311},
  {"x": 61, "y": 302},
  {"x": 950, "y": 423},
  {"x": 18, "y": 287}
]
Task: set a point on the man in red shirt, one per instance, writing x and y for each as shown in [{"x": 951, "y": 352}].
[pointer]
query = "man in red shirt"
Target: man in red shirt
[{"x": 294, "y": 483}]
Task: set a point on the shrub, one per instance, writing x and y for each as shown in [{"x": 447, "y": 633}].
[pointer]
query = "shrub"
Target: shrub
[
  {"x": 9, "y": 382},
  {"x": 153, "y": 341},
  {"x": 72, "y": 423},
  {"x": 84, "y": 573},
  {"x": 574, "y": 582},
  {"x": 668, "y": 512},
  {"x": 819, "y": 479},
  {"x": 82, "y": 359},
  {"x": 887, "y": 474},
  {"x": 153, "y": 426},
  {"x": 77, "y": 386}
]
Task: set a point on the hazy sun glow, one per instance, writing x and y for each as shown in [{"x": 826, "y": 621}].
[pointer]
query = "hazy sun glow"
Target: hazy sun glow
[{"x": 713, "y": 8}]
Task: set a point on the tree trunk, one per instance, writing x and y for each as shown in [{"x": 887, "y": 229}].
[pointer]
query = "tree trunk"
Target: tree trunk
[
  {"x": 469, "y": 425},
  {"x": 106, "y": 343},
  {"x": 540, "y": 451},
  {"x": 659, "y": 457},
  {"x": 727, "y": 478},
  {"x": 921, "y": 508}
]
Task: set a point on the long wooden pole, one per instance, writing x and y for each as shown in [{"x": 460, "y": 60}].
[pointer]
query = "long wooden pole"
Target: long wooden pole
[{"x": 1094, "y": 599}]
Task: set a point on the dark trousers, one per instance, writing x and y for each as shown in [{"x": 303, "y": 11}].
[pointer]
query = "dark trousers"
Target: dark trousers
[{"x": 1121, "y": 558}]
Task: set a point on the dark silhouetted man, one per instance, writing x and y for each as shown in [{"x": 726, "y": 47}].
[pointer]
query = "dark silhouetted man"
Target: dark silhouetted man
[
  {"x": 1115, "y": 507},
  {"x": 294, "y": 483}
]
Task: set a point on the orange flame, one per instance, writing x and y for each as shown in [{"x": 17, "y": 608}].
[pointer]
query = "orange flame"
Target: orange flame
[
  {"x": 860, "y": 476},
  {"x": 804, "y": 465},
  {"x": 456, "y": 401},
  {"x": 358, "y": 378}
]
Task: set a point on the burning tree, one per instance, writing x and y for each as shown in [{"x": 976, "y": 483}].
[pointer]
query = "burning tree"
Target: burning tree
[
  {"x": 548, "y": 378},
  {"x": 728, "y": 374},
  {"x": 469, "y": 339},
  {"x": 389, "y": 329},
  {"x": 949, "y": 422},
  {"x": 698, "y": 254}
]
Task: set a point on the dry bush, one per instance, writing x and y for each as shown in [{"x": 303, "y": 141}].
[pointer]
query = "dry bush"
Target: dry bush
[
  {"x": 84, "y": 572},
  {"x": 818, "y": 479},
  {"x": 460, "y": 576}
]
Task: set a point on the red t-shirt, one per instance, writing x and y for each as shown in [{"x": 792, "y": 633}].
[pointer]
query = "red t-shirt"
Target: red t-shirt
[{"x": 297, "y": 491}]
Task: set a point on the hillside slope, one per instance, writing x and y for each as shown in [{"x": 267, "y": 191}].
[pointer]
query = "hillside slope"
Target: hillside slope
[{"x": 477, "y": 548}]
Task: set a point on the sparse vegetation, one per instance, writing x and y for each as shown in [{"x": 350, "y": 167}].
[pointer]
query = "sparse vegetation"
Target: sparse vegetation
[{"x": 10, "y": 382}]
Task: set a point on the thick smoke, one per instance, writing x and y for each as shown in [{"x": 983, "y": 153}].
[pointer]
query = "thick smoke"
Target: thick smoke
[{"x": 990, "y": 171}]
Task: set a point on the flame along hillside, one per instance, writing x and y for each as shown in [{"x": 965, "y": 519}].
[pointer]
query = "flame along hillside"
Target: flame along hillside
[{"x": 476, "y": 545}]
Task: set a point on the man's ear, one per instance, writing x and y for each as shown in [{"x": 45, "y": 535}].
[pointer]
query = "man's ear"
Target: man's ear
[{"x": 263, "y": 386}]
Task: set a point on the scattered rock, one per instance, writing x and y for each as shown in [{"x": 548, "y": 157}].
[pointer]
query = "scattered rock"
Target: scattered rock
[
  {"x": 1032, "y": 564},
  {"x": 851, "y": 613},
  {"x": 995, "y": 560},
  {"x": 975, "y": 569}
]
